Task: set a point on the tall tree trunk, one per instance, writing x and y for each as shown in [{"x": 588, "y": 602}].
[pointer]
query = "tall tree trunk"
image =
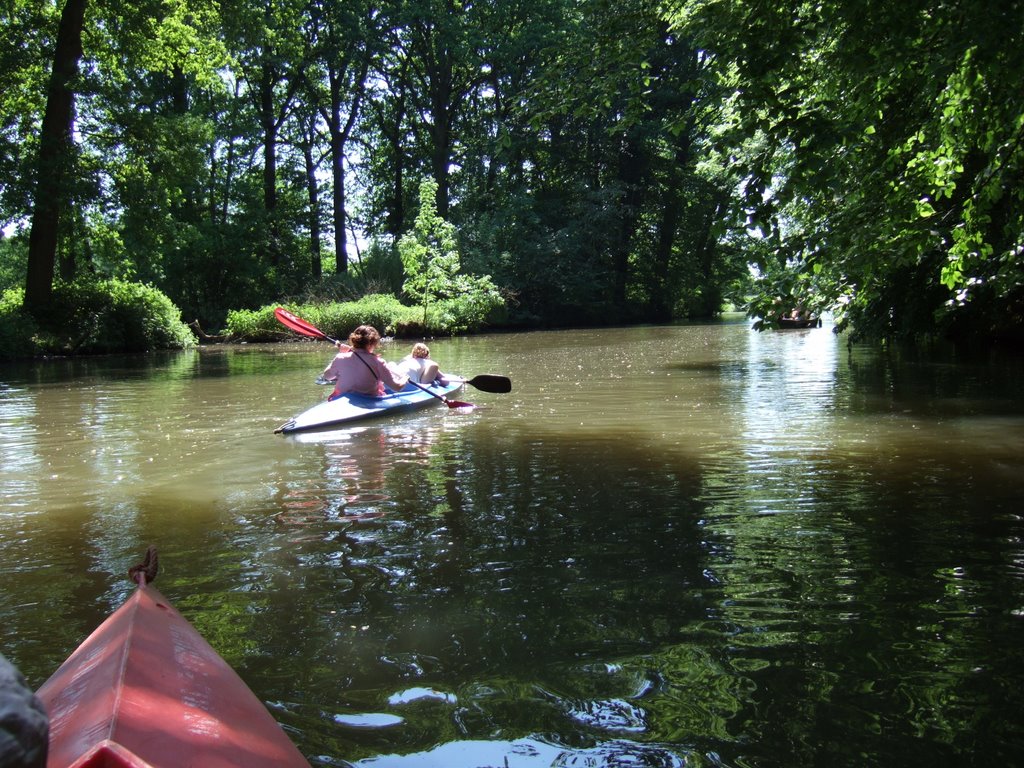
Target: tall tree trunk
[
  {"x": 221, "y": 211},
  {"x": 270, "y": 162},
  {"x": 706, "y": 253},
  {"x": 339, "y": 138},
  {"x": 340, "y": 230},
  {"x": 190, "y": 208},
  {"x": 54, "y": 158},
  {"x": 313, "y": 192},
  {"x": 441, "y": 131},
  {"x": 631, "y": 172},
  {"x": 671, "y": 203},
  {"x": 661, "y": 299},
  {"x": 393, "y": 134}
]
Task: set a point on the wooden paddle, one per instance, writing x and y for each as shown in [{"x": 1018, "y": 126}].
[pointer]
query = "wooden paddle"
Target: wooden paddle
[{"x": 487, "y": 382}]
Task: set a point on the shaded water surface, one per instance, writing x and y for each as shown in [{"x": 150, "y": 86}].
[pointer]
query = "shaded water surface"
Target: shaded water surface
[{"x": 667, "y": 546}]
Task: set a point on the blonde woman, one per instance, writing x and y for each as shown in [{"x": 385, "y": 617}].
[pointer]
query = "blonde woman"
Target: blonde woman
[{"x": 418, "y": 366}]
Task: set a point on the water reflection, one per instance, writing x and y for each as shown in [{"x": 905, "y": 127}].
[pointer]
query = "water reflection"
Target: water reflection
[
  {"x": 485, "y": 552},
  {"x": 667, "y": 546},
  {"x": 531, "y": 753}
]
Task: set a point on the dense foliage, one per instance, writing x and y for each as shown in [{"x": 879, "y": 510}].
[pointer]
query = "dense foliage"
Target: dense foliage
[
  {"x": 884, "y": 155},
  {"x": 386, "y": 313},
  {"x": 93, "y": 317},
  {"x": 598, "y": 162}
]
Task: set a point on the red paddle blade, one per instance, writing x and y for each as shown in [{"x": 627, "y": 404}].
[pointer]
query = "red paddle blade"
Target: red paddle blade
[
  {"x": 457, "y": 404},
  {"x": 298, "y": 325}
]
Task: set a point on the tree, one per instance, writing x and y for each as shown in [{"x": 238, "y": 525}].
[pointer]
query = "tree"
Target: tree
[
  {"x": 892, "y": 150},
  {"x": 166, "y": 38},
  {"x": 621, "y": 107},
  {"x": 343, "y": 49},
  {"x": 441, "y": 40},
  {"x": 26, "y": 57},
  {"x": 430, "y": 257},
  {"x": 429, "y": 252},
  {"x": 55, "y": 155}
]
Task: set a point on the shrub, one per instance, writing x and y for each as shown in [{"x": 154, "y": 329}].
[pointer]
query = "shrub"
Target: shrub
[
  {"x": 386, "y": 313},
  {"x": 17, "y": 328},
  {"x": 253, "y": 325},
  {"x": 145, "y": 318},
  {"x": 103, "y": 316}
]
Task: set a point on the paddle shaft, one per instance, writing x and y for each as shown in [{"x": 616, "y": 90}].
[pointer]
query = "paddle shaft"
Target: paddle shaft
[{"x": 442, "y": 398}]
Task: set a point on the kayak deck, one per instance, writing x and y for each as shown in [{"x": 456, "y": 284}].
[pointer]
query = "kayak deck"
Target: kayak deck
[
  {"x": 145, "y": 690},
  {"x": 350, "y": 408}
]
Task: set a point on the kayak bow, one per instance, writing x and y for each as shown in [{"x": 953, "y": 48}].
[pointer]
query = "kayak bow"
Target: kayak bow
[{"x": 145, "y": 690}]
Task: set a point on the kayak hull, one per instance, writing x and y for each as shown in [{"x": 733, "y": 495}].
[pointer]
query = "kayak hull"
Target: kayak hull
[
  {"x": 145, "y": 690},
  {"x": 352, "y": 408}
]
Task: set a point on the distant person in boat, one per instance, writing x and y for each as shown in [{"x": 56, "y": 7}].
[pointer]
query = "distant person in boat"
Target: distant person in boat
[
  {"x": 357, "y": 368},
  {"x": 418, "y": 366}
]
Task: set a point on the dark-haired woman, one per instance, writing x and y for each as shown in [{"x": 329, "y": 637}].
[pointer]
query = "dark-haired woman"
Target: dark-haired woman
[{"x": 357, "y": 368}]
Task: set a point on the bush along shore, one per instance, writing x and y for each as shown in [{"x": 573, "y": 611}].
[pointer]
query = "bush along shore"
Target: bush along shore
[
  {"x": 92, "y": 318},
  {"x": 112, "y": 316},
  {"x": 385, "y": 312}
]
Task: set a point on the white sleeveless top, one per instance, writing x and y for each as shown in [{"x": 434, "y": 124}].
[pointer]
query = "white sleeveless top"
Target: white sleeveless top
[{"x": 413, "y": 367}]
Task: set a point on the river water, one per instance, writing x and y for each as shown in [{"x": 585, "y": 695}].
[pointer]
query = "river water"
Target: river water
[{"x": 692, "y": 545}]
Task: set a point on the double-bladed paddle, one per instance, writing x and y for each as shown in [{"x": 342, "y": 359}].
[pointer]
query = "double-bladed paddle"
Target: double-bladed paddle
[{"x": 487, "y": 382}]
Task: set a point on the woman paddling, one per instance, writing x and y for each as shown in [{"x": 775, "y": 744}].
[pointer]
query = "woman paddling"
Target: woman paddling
[{"x": 357, "y": 368}]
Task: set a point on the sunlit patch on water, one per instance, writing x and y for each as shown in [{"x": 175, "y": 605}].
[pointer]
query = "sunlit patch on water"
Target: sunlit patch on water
[
  {"x": 532, "y": 753},
  {"x": 412, "y": 695},
  {"x": 368, "y": 720},
  {"x": 343, "y": 435}
]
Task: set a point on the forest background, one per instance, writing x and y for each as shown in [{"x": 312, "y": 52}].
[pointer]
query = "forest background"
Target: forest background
[{"x": 584, "y": 161}]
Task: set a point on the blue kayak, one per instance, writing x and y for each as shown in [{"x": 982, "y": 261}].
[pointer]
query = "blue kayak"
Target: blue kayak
[{"x": 351, "y": 407}]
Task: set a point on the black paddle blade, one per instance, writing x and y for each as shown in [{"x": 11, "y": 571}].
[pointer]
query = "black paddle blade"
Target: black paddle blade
[{"x": 489, "y": 382}]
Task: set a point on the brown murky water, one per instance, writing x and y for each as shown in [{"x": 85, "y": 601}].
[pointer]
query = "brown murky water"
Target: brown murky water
[{"x": 675, "y": 545}]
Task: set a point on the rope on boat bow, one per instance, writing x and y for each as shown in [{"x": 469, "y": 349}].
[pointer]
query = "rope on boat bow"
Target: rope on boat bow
[{"x": 148, "y": 567}]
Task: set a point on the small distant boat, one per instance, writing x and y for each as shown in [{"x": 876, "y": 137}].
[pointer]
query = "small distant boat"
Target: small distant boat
[
  {"x": 145, "y": 690},
  {"x": 799, "y": 322},
  {"x": 350, "y": 408}
]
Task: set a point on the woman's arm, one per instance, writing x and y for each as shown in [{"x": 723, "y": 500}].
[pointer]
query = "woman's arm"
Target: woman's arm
[{"x": 392, "y": 378}]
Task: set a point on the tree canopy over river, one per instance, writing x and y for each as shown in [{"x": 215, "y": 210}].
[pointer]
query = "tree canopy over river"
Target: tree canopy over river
[{"x": 627, "y": 161}]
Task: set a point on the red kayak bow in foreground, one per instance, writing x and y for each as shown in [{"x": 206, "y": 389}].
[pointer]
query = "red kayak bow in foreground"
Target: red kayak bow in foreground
[{"x": 145, "y": 690}]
